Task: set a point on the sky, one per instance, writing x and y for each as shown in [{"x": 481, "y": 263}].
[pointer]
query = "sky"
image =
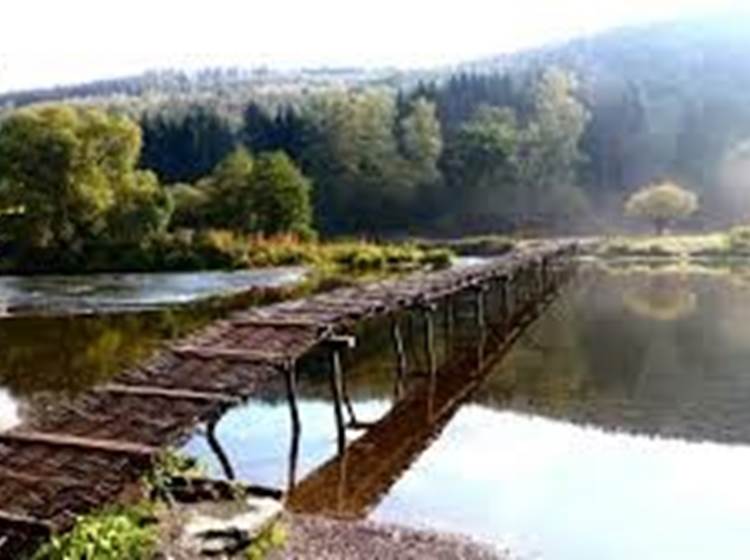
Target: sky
[{"x": 50, "y": 42}]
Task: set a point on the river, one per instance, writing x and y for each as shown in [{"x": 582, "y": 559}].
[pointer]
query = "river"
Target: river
[{"x": 616, "y": 428}]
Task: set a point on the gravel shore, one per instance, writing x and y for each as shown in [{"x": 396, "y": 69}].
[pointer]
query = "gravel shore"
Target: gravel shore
[{"x": 313, "y": 538}]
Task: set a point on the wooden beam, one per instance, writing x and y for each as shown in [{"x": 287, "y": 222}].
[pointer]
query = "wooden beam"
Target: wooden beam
[
  {"x": 167, "y": 393},
  {"x": 229, "y": 354},
  {"x": 40, "y": 479},
  {"x": 278, "y": 323},
  {"x": 341, "y": 342},
  {"x": 26, "y": 523},
  {"x": 91, "y": 444}
]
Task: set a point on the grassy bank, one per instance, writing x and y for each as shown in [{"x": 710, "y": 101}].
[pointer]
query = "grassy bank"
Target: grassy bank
[
  {"x": 216, "y": 249},
  {"x": 730, "y": 244},
  {"x": 479, "y": 245}
]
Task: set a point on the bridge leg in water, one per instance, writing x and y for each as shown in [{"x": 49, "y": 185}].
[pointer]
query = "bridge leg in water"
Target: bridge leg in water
[
  {"x": 213, "y": 443},
  {"x": 290, "y": 376},
  {"x": 337, "y": 344},
  {"x": 448, "y": 307},
  {"x": 401, "y": 364},
  {"x": 481, "y": 321},
  {"x": 504, "y": 306},
  {"x": 429, "y": 343}
]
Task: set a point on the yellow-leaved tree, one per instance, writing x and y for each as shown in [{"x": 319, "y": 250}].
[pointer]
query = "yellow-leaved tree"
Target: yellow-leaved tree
[{"x": 662, "y": 204}]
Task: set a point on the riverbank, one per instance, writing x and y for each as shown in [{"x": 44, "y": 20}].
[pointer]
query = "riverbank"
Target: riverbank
[
  {"x": 316, "y": 538},
  {"x": 734, "y": 243},
  {"x": 223, "y": 250}
]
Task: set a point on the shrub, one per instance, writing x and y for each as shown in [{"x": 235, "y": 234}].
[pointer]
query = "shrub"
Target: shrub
[
  {"x": 739, "y": 239},
  {"x": 116, "y": 534}
]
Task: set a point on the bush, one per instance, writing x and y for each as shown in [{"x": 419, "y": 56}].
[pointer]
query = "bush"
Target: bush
[
  {"x": 739, "y": 239},
  {"x": 117, "y": 534},
  {"x": 437, "y": 258}
]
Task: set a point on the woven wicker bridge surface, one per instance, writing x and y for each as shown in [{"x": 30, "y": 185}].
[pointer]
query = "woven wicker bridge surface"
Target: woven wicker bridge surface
[{"x": 75, "y": 456}]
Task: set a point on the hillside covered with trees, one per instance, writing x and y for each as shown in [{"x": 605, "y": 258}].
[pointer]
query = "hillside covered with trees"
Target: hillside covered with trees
[{"x": 546, "y": 141}]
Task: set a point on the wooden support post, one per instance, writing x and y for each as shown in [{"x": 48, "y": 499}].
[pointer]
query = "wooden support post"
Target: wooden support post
[
  {"x": 337, "y": 344},
  {"x": 504, "y": 305},
  {"x": 401, "y": 364},
  {"x": 336, "y": 390},
  {"x": 429, "y": 334},
  {"x": 448, "y": 324},
  {"x": 294, "y": 444},
  {"x": 290, "y": 377},
  {"x": 545, "y": 275},
  {"x": 213, "y": 443},
  {"x": 479, "y": 306}
]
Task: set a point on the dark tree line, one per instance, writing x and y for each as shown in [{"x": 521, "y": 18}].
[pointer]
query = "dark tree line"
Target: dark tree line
[
  {"x": 477, "y": 153},
  {"x": 555, "y": 138}
]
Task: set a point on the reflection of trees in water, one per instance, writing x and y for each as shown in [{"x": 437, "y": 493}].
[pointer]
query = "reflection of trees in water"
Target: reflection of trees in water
[
  {"x": 547, "y": 367},
  {"x": 660, "y": 297},
  {"x": 75, "y": 352},
  {"x": 72, "y": 353}
]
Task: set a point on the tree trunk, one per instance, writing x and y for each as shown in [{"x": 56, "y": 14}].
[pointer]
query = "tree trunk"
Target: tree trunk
[{"x": 660, "y": 226}]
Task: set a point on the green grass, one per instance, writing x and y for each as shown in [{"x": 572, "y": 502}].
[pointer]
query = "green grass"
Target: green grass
[
  {"x": 274, "y": 537},
  {"x": 668, "y": 246},
  {"x": 482, "y": 245},
  {"x": 355, "y": 256},
  {"x": 219, "y": 249}
]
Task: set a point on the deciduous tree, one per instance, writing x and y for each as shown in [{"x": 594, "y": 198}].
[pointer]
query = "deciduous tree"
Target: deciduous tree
[{"x": 662, "y": 204}]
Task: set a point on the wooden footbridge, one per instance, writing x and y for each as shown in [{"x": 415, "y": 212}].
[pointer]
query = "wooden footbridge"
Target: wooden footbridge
[{"x": 71, "y": 457}]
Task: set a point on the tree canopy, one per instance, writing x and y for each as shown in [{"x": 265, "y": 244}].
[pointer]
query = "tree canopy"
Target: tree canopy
[
  {"x": 662, "y": 204},
  {"x": 70, "y": 173}
]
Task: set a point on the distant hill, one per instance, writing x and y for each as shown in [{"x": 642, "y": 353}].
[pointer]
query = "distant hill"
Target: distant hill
[
  {"x": 668, "y": 99},
  {"x": 675, "y": 92},
  {"x": 703, "y": 54},
  {"x": 209, "y": 81}
]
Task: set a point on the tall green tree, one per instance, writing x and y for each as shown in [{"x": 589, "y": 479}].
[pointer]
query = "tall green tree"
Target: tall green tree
[
  {"x": 281, "y": 196},
  {"x": 480, "y": 167},
  {"x": 422, "y": 140},
  {"x": 70, "y": 174}
]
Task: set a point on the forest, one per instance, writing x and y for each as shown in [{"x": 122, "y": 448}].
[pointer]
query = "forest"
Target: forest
[{"x": 543, "y": 142}]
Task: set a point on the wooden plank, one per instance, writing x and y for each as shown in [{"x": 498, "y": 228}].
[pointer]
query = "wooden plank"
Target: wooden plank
[
  {"x": 167, "y": 393},
  {"x": 346, "y": 342},
  {"x": 279, "y": 323},
  {"x": 229, "y": 354},
  {"x": 9, "y": 474},
  {"x": 25, "y": 524},
  {"x": 91, "y": 444}
]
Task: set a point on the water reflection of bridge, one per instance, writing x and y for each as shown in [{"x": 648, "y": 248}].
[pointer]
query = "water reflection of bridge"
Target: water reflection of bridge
[{"x": 351, "y": 483}]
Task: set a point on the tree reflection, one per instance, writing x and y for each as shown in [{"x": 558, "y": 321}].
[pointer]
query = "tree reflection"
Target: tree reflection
[
  {"x": 661, "y": 298},
  {"x": 73, "y": 353}
]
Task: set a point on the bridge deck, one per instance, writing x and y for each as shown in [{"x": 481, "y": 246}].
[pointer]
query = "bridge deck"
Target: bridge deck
[{"x": 75, "y": 456}]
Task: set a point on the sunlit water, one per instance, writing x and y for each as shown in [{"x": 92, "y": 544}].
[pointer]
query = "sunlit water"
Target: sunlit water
[
  {"x": 618, "y": 427},
  {"x": 99, "y": 293}
]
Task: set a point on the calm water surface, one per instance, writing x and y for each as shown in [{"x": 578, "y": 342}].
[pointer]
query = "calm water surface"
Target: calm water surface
[
  {"x": 618, "y": 426},
  {"x": 68, "y": 333},
  {"x": 100, "y": 293}
]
